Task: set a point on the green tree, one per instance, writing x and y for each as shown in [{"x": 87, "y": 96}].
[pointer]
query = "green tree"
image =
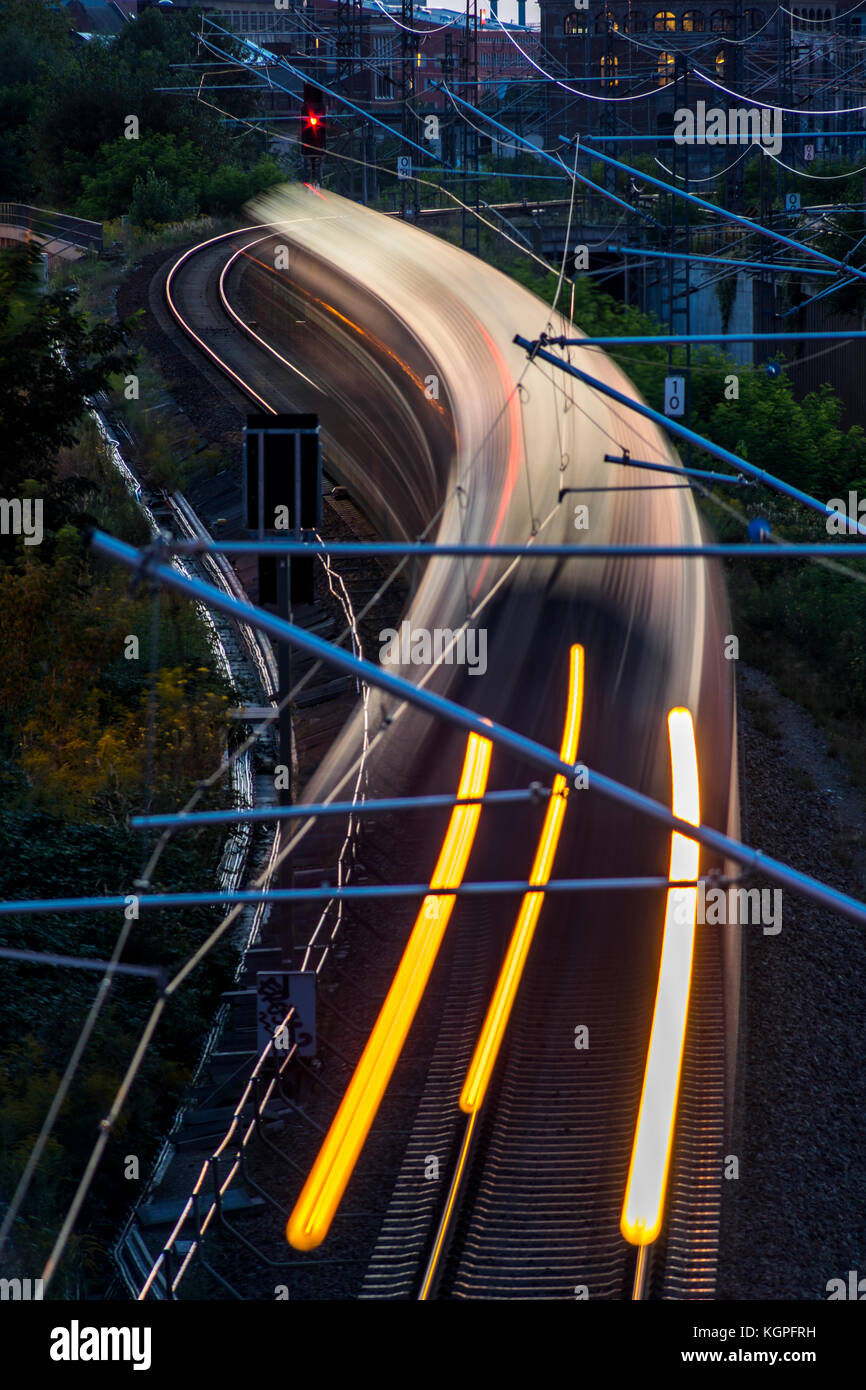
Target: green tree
[
  {"x": 43, "y": 393},
  {"x": 157, "y": 170},
  {"x": 33, "y": 38},
  {"x": 230, "y": 186},
  {"x": 98, "y": 86},
  {"x": 156, "y": 200}
]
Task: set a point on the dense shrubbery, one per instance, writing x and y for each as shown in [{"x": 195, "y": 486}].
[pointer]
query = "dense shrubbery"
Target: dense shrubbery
[
  {"x": 63, "y": 122},
  {"x": 76, "y": 760},
  {"x": 86, "y": 737},
  {"x": 43, "y": 394}
]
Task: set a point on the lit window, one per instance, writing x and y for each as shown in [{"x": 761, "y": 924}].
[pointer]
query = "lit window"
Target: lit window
[
  {"x": 666, "y": 66},
  {"x": 722, "y": 22},
  {"x": 694, "y": 22},
  {"x": 720, "y": 63},
  {"x": 663, "y": 21},
  {"x": 574, "y": 24},
  {"x": 608, "y": 72}
]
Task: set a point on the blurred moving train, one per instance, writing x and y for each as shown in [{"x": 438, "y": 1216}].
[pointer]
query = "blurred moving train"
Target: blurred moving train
[{"x": 440, "y": 426}]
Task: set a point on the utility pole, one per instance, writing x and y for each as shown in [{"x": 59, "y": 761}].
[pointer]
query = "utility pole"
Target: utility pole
[
  {"x": 469, "y": 83},
  {"x": 346, "y": 42},
  {"x": 448, "y": 142},
  {"x": 407, "y": 89}
]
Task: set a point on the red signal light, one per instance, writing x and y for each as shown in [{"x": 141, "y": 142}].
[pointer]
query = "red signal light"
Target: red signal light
[{"x": 314, "y": 124}]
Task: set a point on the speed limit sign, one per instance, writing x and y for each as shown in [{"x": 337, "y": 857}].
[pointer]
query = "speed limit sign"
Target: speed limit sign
[
  {"x": 404, "y": 166},
  {"x": 675, "y": 395},
  {"x": 808, "y": 153}
]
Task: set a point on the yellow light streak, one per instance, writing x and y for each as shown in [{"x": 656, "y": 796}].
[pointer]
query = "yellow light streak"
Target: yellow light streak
[
  {"x": 309, "y": 1222},
  {"x": 493, "y": 1031},
  {"x": 643, "y": 1205}
]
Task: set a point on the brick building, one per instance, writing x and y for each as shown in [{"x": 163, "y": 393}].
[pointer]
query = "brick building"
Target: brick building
[{"x": 809, "y": 60}]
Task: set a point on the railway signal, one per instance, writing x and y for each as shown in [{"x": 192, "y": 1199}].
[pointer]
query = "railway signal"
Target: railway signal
[{"x": 314, "y": 129}]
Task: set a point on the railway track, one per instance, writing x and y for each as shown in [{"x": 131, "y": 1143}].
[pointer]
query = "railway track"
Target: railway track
[{"x": 523, "y": 1199}]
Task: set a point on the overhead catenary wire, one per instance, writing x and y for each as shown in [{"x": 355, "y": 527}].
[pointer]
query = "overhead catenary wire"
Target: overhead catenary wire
[
  {"x": 494, "y": 228},
  {"x": 195, "y": 959}
]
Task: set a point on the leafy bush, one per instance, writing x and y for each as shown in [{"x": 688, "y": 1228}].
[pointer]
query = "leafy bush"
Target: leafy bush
[{"x": 155, "y": 201}]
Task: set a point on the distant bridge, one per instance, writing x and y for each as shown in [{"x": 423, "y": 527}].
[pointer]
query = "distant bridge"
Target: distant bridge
[{"x": 57, "y": 234}]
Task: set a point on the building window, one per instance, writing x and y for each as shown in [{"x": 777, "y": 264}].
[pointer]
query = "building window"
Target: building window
[
  {"x": 666, "y": 66},
  {"x": 693, "y": 22},
  {"x": 754, "y": 21},
  {"x": 720, "y": 63},
  {"x": 574, "y": 24},
  {"x": 605, "y": 22},
  {"x": 722, "y": 22},
  {"x": 608, "y": 72},
  {"x": 638, "y": 24},
  {"x": 663, "y": 21}
]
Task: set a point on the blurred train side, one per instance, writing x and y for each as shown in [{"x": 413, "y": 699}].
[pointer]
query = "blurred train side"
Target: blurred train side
[{"x": 433, "y": 412}]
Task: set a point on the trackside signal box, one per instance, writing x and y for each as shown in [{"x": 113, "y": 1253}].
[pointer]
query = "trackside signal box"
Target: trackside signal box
[{"x": 283, "y": 492}]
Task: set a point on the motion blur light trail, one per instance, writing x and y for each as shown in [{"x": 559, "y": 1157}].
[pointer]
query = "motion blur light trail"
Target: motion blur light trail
[
  {"x": 643, "y": 1206},
  {"x": 309, "y": 1223},
  {"x": 387, "y": 310},
  {"x": 490, "y": 1038}
]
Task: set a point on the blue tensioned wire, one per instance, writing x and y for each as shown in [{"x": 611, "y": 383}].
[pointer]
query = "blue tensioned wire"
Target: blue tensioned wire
[
  {"x": 182, "y": 819},
  {"x": 613, "y": 197},
  {"x": 717, "y": 260},
  {"x": 350, "y": 892},
  {"x": 714, "y": 208},
  {"x": 664, "y": 339},
  {"x": 674, "y": 427},
  {"x": 312, "y": 81},
  {"x": 541, "y": 551},
  {"x": 649, "y": 178},
  {"x": 628, "y": 462},
  {"x": 146, "y": 564},
  {"x": 724, "y": 139},
  {"x": 831, "y": 289}
]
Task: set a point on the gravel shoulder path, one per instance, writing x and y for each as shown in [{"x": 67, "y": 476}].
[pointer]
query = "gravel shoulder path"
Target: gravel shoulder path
[{"x": 794, "y": 1218}]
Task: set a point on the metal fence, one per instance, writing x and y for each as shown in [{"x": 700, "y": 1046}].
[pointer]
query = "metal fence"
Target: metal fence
[{"x": 55, "y": 226}]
